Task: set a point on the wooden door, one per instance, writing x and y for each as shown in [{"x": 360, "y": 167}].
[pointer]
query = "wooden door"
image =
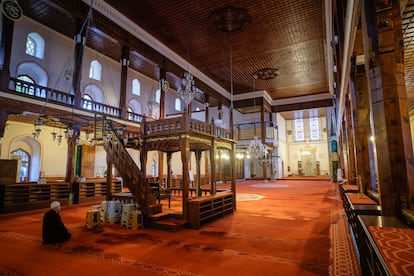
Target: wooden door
[{"x": 88, "y": 161}]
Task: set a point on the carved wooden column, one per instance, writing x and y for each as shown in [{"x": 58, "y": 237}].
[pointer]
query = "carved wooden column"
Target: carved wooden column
[
  {"x": 198, "y": 171},
  {"x": 185, "y": 150},
  {"x": 143, "y": 150},
  {"x": 169, "y": 155},
  {"x": 77, "y": 65},
  {"x": 3, "y": 120},
  {"x": 213, "y": 167},
  {"x": 71, "y": 158},
  {"x": 109, "y": 178},
  {"x": 5, "y": 52},
  {"x": 70, "y": 169},
  {"x": 206, "y": 105},
  {"x": 351, "y": 171},
  {"x": 389, "y": 106},
  {"x": 342, "y": 150},
  {"x": 207, "y": 173},
  {"x": 232, "y": 173},
  {"x": 163, "y": 76},
  {"x": 362, "y": 131},
  {"x": 263, "y": 134},
  {"x": 124, "y": 77}
]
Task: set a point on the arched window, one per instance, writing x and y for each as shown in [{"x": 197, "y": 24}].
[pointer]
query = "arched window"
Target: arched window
[
  {"x": 95, "y": 70},
  {"x": 177, "y": 104},
  {"x": 25, "y": 87},
  {"x": 35, "y": 45},
  {"x": 30, "y": 46},
  {"x": 93, "y": 93},
  {"x": 158, "y": 96},
  {"x": 24, "y": 163},
  {"x": 87, "y": 104},
  {"x": 136, "y": 87},
  {"x": 299, "y": 130},
  {"x": 33, "y": 71},
  {"x": 134, "y": 107},
  {"x": 314, "y": 128}
]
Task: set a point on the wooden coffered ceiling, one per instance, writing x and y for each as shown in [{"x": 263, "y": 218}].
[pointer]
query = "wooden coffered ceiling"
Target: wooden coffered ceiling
[{"x": 286, "y": 35}]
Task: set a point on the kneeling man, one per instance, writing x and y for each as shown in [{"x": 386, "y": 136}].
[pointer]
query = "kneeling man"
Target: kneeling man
[{"x": 54, "y": 231}]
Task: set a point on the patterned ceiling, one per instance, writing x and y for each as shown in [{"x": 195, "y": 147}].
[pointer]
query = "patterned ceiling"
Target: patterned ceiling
[{"x": 288, "y": 35}]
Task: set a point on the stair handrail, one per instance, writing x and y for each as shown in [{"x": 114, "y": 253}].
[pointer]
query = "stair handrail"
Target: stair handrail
[{"x": 127, "y": 168}]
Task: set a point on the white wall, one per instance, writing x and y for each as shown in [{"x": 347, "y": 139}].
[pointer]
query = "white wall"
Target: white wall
[
  {"x": 294, "y": 149},
  {"x": 49, "y": 157},
  {"x": 282, "y": 149}
]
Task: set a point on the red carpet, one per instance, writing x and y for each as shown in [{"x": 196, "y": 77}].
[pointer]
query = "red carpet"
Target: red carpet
[
  {"x": 397, "y": 248},
  {"x": 279, "y": 228}
]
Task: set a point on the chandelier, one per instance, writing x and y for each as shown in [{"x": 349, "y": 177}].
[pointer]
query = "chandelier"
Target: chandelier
[
  {"x": 189, "y": 91},
  {"x": 257, "y": 148}
]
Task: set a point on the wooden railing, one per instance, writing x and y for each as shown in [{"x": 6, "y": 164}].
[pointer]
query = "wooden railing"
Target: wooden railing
[
  {"x": 126, "y": 166},
  {"x": 181, "y": 124},
  {"x": 153, "y": 127},
  {"x": 96, "y": 107},
  {"x": 40, "y": 92},
  {"x": 248, "y": 131},
  {"x": 54, "y": 96}
]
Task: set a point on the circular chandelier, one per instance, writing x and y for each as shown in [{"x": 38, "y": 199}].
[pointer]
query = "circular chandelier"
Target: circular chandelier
[{"x": 257, "y": 149}]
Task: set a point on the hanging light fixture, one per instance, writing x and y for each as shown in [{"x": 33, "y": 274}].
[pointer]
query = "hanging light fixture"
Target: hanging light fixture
[
  {"x": 54, "y": 135},
  {"x": 37, "y": 130},
  {"x": 256, "y": 148},
  {"x": 189, "y": 91},
  {"x": 59, "y": 137}
]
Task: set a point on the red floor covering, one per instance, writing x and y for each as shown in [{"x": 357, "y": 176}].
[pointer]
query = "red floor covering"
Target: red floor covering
[{"x": 280, "y": 227}]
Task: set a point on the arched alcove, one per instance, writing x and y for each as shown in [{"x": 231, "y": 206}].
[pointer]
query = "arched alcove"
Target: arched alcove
[
  {"x": 32, "y": 147},
  {"x": 34, "y": 71}
]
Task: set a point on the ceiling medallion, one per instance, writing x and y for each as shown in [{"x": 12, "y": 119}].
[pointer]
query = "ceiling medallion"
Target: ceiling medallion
[
  {"x": 266, "y": 74},
  {"x": 229, "y": 19}
]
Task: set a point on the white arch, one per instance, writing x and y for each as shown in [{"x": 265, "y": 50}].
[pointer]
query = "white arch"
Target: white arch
[
  {"x": 135, "y": 106},
  {"x": 34, "y": 71},
  {"x": 95, "y": 92}
]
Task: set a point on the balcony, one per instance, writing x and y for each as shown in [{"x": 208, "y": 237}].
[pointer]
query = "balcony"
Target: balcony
[{"x": 246, "y": 132}]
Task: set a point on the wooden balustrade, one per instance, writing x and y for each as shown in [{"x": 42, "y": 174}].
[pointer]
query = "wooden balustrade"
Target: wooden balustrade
[
  {"x": 165, "y": 126},
  {"x": 41, "y": 92},
  {"x": 51, "y": 95}
]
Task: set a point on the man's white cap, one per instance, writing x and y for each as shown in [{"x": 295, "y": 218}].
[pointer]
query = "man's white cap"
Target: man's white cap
[{"x": 54, "y": 204}]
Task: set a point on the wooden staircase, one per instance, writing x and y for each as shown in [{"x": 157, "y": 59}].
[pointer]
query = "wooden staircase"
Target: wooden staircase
[{"x": 126, "y": 166}]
